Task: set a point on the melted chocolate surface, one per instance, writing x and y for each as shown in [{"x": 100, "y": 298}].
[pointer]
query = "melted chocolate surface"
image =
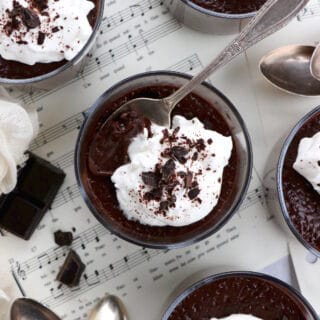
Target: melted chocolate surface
[
  {"x": 243, "y": 294},
  {"x": 101, "y": 190},
  {"x": 231, "y": 6},
  {"x": 16, "y": 70},
  {"x": 302, "y": 201}
]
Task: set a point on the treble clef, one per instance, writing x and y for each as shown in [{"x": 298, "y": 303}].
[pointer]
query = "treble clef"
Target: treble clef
[{"x": 20, "y": 272}]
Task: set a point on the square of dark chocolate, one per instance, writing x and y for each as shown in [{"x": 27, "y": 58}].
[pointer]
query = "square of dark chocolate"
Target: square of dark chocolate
[
  {"x": 19, "y": 216},
  {"x": 39, "y": 181}
]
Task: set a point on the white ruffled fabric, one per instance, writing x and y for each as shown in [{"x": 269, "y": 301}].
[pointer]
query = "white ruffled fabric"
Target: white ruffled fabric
[{"x": 18, "y": 127}]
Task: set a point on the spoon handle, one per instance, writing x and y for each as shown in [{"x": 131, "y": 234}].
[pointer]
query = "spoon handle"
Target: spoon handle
[{"x": 272, "y": 16}]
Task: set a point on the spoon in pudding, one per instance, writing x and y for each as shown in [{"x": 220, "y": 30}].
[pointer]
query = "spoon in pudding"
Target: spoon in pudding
[
  {"x": 288, "y": 68},
  {"x": 272, "y": 16}
]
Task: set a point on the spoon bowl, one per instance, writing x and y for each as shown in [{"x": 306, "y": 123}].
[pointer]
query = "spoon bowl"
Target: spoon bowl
[
  {"x": 109, "y": 308},
  {"x": 315, "y": 63},
  {"x": 288, "y": 68},
  {"x": 27, "y": 309}
]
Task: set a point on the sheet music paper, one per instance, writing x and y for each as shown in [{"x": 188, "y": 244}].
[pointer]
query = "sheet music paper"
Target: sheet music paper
[{"x": 138, "y": 36}]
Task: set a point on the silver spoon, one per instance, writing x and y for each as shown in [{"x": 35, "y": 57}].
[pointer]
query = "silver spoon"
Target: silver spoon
[
  {"x": 315, "y": 63},
  {"x": 288, "y": 68},
  {"x": 27, "y": 309},
  {"x": 273, "y": 15},
  {"x": 109, "y": 308}
]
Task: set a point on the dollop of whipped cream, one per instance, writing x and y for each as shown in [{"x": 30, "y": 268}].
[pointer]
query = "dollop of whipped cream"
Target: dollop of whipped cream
[
  {"x": 43, "y": 31},
  {"x": 238, "y": 317},
  {"x": 174, "y": 177},
  {"x": 308, "y": 160},
  {"x": 17, "y": 129}
]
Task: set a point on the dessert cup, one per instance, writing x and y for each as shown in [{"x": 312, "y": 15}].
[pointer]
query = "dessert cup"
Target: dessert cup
[
  {"x": 290, "y": 145},
  {"x": 205, "y": 20},
  {"x": 222, "y": 301},
  {"x": 157, "y": 237},
  {"x": 65, "y": 72}
]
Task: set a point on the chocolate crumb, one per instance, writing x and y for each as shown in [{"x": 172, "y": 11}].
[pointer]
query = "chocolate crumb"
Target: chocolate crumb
[
  {"x": 193, "y": 193},
  {"x": 188, "y": 180},
  {"x": 63, "y": 238},
  {"x": 210, "y": 141},
  {"x": 195, "y": 156}
]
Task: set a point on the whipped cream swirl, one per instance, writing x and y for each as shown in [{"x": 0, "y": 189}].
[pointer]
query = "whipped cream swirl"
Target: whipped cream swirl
[
  {"x": 17, "y": 129},
  {"x": 308, "y": 160},
  {"x": 174, "y": 177},
  {"x": 238, "y": 317},
  {"x": 43, "y": 31}
]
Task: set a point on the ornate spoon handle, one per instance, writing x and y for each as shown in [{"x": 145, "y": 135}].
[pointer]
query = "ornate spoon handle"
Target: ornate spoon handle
[{"x": 273, "y": 16}]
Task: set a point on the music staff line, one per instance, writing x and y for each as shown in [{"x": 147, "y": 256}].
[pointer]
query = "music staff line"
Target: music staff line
[
  {"x": 111, "y": 56},
  {"x": 312, "y": 10},
  {"x": 95, "y": 233},
  {"x": 53, "y": 255},
  {"x": 112, "y": 271},
  {"x": 74, "y": 122},
  {"x": 137, "y": 10}
]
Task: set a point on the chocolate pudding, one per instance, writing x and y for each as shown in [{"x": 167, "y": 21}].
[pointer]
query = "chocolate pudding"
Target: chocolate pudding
[
  {"x": 231, "y": 6},
  {"x": 241, "y": 294},
  {"x": 104, "y": 149},
  {"x": 11, "y": 69},
  {"x": 301, "y": 200}
]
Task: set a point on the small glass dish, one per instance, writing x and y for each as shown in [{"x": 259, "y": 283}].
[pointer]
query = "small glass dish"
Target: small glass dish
[
  {"x": 64, "y": 73},
  {"x": 291, "y": 145},
  {"x": 161, "y": 237},
  {"x": 205, "y": 20},
  {"x": 211, "y": 295}
]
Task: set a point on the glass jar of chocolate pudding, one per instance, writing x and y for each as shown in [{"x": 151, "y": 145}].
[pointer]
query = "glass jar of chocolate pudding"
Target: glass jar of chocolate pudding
[
  {"x": 299, "y": 199},
  {"x": 214, "y": 16},
  {"x": 34, "y": 25},
  {"x": 99, "y": 152},
  {"x": 239, "y": 294}
]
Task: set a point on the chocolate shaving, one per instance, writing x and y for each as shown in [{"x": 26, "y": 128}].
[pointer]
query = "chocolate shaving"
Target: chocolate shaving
[
  {"x": 168, "y": 170},
  {"x": 29, "y": 18},
  {"x": 150, "y": 179},
  {"x": 154, "y": 194},
  {"x": 179, "y": 154},
  {"x": 188, "y": 180},
  {"x": 41, "y": 37}
]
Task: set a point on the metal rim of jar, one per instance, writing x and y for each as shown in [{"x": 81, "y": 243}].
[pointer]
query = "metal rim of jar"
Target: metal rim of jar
[
  {"x": 202, "y": 10},
  {"x": 219, "y": 276},
  {"x": 67, "y": 65},
  {"x": 183, "y": 243},
  {"x": 280, "y": 167}
]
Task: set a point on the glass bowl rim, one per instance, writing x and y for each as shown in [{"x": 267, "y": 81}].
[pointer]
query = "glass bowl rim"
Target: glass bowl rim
[
  {"x": 67, "y": 65},
  {"x": 280, "y": 166},
  {"x": 212, "y": 278},
  {"x": 77, "y": 160}
]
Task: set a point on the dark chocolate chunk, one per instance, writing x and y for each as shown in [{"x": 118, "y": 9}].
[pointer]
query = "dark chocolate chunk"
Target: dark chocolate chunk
[
  {"x": 168, "y": 170},
  {"x": 195, "y": 156},
  {"x": 40, "y": 181},
  {"x": 63, "y": 238},
  {"x": 179, "y": 154},
  {"x": 150, "y": 179},
  {"x": 193, "y": 193},
  {"x": 38, "y": 184},
  {"x": 19, "y": 216},
  {"x": 71, "y": 271}
]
